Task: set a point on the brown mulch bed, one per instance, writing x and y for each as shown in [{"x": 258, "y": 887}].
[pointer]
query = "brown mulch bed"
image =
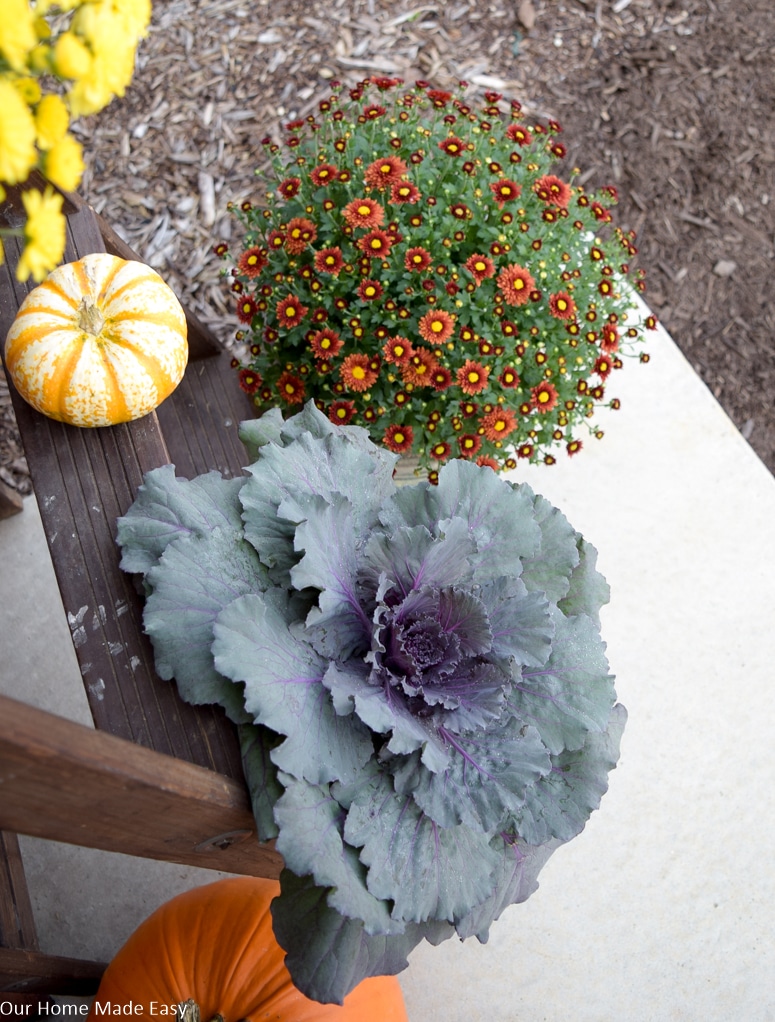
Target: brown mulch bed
[{"x": 673, "y": 101}]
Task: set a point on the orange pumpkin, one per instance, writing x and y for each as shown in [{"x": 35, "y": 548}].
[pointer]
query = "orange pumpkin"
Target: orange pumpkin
[
  {"x": 100, "y": 341},
  {"x": 214, "y": 945}
]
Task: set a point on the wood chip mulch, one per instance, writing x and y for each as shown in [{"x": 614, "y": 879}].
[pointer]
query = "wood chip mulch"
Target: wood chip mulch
[{"x": 673, "y": 101}]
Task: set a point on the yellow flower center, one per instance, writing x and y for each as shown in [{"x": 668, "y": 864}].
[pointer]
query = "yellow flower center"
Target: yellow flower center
[
  {"x": 398, "y": 438},
  {"x": 289, "y": 388},
  {"x": 437, "y": 326},
  {"x": 363, "y": 210},
  {"x": 385, "y": 168},
  {"x": 359, "y": 373},
  {"x": 473, "y": 377},
  {"x": 290, "y": 312}
]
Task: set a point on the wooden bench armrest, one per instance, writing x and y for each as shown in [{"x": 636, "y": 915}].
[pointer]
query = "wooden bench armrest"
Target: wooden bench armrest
[{"x": 66, "y": 782}]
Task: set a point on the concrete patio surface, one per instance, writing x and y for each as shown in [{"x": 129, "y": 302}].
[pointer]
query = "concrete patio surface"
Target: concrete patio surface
[{"x": 662, "y": 908}]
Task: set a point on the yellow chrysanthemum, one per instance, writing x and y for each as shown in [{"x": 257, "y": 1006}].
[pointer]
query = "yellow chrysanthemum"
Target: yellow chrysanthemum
[
  {"x": 63, "y": 164},
  {"x": 51, "y": 120},
  {"x": 44, "y": 234},
  {"x": 17, "y": 32},
  {"x": 72, "y": 58},
  {"x": 28, "y": 89},
  {"x": 17, "y": 136}
]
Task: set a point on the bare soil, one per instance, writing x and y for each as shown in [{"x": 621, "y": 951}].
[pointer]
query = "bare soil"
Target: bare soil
[{"x": 673, "y": 101}]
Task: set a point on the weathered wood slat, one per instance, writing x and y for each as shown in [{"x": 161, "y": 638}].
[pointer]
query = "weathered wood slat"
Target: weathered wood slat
[
  {"x": 33, "y": 972},
  {"x": 83, "y": 480},
  {"x": 65, "y": 782},
  {"x": 17, "y": 923}
]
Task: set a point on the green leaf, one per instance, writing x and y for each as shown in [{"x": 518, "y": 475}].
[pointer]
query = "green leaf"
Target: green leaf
[
  {"x": 521, "y": 624},
  {"x": 338, "y": 624},
  {"x": 426, "y": 871},
  {"x": 283, "y": 691},
  {"x": 167, "y": 508},
  {"x": 573, "y": 692},
  {"x": 588, "y": 590},
  {"x": 256, "y": 745},
  {"x": 487, "y": 778},
  {"x": 559, "y": 805},
  {"x": 311, "y": 842},
  {"x": 549, "y": 569},
  {"x": 498, "y": 516},
  {"x": 196, "y": 577},
  {"x": 328, "y": 954},
  {"x": 515, "y": 880}
]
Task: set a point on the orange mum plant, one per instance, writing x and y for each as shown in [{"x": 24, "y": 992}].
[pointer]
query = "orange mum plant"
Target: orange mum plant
[{"x": 431, "y": 271}]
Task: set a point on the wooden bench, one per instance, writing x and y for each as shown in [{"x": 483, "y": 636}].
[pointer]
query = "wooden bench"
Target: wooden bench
[{"x": 152, "y": 757}]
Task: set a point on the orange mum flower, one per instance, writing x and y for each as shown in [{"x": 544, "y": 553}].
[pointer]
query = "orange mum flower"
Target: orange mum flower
[
  {"x": 505, "y": 191},
  {"x": 323, "y": 174},
  {"x": 544, "y": 396},
  {"x": 469, "y": 444},
  {"x": 509, "y": 378},
  {"x": 417, "y": 259},
  {"x": 290, "y": 311},
  {"x": 441, "y": 451},
  {"x": 291, "y": 389},
  {"x": 341, "y": 412},
  {"x": 404, "y": 191},
  {"x": 249, "y": 380},
  {"x": 610, "y": 339},
  {"x": 357, "y": 373},
  {"x": 363, "y": 213},
  {"x": 603, "y": 366},
  {"x": 562, "y": 305},
  {"x": 480, "y": 267},
  {"x": 301, "y": 232},
  {"x": 398, "y": 438},
  {"x": 452, "y": 146},
  {"x": 385, "y": 173},
  {"x": 418, "y": 370},
  {"x": 519, "y": 134},
  {"x": 326, "y": 343},
  {"x": 499, "y": 423},
  {"x": 472, "y": 377},
  {"x": 369, "y": 290},
  {"x": 376, "y": 244},
  {"x": 252, "y": 261},
  {"x": 487, "y": 462},
  {"x": 289, "y": 187},
  {"x": 329, "y": 260},
  {"x": 516, "y": 283},
  {"x": 246, "y": 309},
  {"x": 398, "y": 350},
  {"x": 436, "y": 326},
  {"x": 553, "y": 190}
]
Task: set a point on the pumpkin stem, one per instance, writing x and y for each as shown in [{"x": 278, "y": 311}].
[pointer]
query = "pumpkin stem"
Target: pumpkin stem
[
  {"x": 91, "y": 320},
  {"x": 188, "y": 1011}
]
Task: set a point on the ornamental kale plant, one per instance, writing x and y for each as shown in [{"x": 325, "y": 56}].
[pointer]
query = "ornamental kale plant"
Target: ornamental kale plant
[
  {"x": 428, "y": 268},
  {"x": 424, "y": 703}
]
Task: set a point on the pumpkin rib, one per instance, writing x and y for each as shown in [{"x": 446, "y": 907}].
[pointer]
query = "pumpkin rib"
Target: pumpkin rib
[
  {"x": 127, "y": 366},
  {"x": 215, "y": 945}
]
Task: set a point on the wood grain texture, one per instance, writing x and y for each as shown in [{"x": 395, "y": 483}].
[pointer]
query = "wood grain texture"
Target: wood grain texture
[
  {"x": 67, "y": 782},
  {"x": 32, "y": 972},
  {"x": 17, "y": 923}
]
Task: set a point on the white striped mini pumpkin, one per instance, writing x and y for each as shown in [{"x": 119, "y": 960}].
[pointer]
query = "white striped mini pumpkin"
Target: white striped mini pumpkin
[{"x": 100, "y": 341}]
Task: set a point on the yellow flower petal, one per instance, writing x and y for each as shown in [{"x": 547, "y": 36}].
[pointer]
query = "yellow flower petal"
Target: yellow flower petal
[
  {"x": 63, "y": 164},
  {"x": 44, "y": 234},
  {"x": 51, "y": 120},
  {"x": 17, "y": 136},
  {"x": 17, "y": 32},
  {"x": 72, "y": 58}
]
